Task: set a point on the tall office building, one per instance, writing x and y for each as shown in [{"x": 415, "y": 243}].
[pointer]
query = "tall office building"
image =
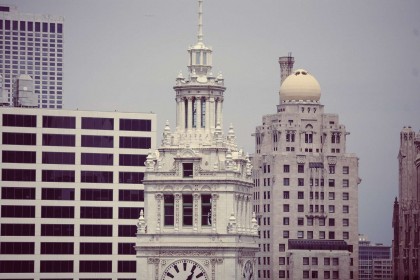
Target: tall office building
[
  {"x": 306, "y": 187},
  {"x": 198, "y": 188},
  {"x": 33, "y": 45},
  {"x": 406, "y": 216},
  {"x": 71, "y": 192},
  {"x": 375, "y": 261}
]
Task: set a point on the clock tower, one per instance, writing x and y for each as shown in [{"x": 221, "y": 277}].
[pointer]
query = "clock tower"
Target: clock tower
[{"x": 198, "y": 221}]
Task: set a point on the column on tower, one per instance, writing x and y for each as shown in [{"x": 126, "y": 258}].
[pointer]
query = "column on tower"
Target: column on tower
[
  {"x": 207, "y": 116},
  {"x": 212, "y": 112},
  {"x": 182, "y": 114},
  {"x": 220, "y": 111},
  {"x": 189, "y": 113}
]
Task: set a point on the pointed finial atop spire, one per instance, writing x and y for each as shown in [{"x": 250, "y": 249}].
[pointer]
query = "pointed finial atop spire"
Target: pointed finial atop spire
[{"x": 200, "y": 21}]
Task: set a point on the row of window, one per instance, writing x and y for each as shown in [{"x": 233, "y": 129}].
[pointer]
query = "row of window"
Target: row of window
[
  {"x": 31, "y": 26},
  {"x": 97, "y": 266},
  {"x": 321, "y": 235},
  {"x": 86, "y": 212},
  {"x": 65, "y": 248},
  {"x": 70, "y": 122},
  {"x": 300, "y": 195},
  {"x": 29, "y": 175},
  {"x": 301, "y": 182},
  {"x": 187, "y": 210},
  {"x": 66, "y": 230}
]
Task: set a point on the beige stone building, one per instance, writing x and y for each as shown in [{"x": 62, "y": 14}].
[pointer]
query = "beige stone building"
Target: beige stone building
[
  {"x": 306, "y": 187},
  {"x": 406, "y": 216}
]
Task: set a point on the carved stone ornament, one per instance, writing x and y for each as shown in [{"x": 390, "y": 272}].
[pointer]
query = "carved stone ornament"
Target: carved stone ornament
[
  {"x": 300, "y": 159},
  {"x": 152, "y": 260},
  {"x": 186, "y": 253}
]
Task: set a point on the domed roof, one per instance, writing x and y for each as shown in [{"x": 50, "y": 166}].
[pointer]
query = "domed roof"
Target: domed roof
[{"x": 300, "y": 86}]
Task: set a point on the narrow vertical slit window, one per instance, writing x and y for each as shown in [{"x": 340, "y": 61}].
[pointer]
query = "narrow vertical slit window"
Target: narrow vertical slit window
[
  {"x": 194, "y": 112},
  {"x": 206, "y": 209},
  {"x": 187, "y": 209},
  {"x": 186, "y": 113},
  {"x": 169, "y": 209},
  {"x": 203, "y": 112}
]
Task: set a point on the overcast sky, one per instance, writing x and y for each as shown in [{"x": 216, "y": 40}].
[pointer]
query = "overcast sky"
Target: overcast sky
[{"x": 125, "y": 56}]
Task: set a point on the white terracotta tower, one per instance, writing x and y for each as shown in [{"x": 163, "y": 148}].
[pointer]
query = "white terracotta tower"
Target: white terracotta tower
[{"x": 198, "y": 221}]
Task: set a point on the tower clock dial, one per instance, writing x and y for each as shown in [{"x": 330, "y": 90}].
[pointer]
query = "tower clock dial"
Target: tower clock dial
[{"x": 184, "y": 270}]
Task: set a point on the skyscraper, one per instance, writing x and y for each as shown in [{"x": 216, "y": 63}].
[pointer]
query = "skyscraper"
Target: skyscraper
[
  {"x": 198, "y": 220},
  {"x": 33, "y": 45},
  {"x": 374, "y": 260},
  {"x": 306, "y": 187},
  {"x": 406, "y": 216}
]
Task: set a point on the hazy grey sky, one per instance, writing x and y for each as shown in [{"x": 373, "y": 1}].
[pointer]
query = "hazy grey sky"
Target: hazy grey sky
[{"x": 125, "y": 56}]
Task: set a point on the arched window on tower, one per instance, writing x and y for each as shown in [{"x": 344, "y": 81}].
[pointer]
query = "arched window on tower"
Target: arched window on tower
[{"x": 309, "y": 134}]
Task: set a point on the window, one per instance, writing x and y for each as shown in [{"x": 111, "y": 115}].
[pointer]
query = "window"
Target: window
[
  {"x": 17, "y": 248},
  {"x": 331, "y": 195},
  {"x": 96, "y": 176},
  {"x": 335, "y": 274},
  {"x": 97, "y": 159},
  {"x": 18, "y": 157},
  {"x": 345, "y": 183},
  {"x": 282, "y": 260},
  {"x": 129, "y": 212},
  {"x": 126, "y": 230},
  {"x": 286, "y": 195},
  {"x": 131, "y": 195},
  {"x": 345, "y": 235},
  {"x": 282, "y": 273},
  {"x": 335, "y": 261},
  {"x": 97, "y": 141},
  {"x": 206, "y": 209},
  {"x": 58, "y": 140},
  {"x": 300, "y": 234},
  {"x": 314, "y": 274},
  {"x": 286, "y": 181},
  {"x": 98, "y": 230},
  {"x": 17, "y": 193},
  {"x": 308, "y": 137},
  {"x": 301, "y": 208},
  {"x": 331, "y": 182},
  {"x": 56, "y": 266},
  {"x": 131, "y": 177},
  {"x": 126, "y": 249},
  {"x": 187, "y": 209},
  {"x": 58, "y": 158},
  {"x": 301, "y": 168},
  {"x": 87, "y": 212},
  {"x": 285, "y": 220},
  {"x": 58, "y": 176},
  {"x": 57, "y": 248},
  {"x": 345, "y": 196},
  {"x": 17, "y": 230},
  {"x": 282, "y": 247},
  {"x": 310, "y": 234},
  {"x": 57, "y": 230},
  {"x": 14, "y": 138},
  {"x": 168, "y": 209},
  {"x": 19, "y": 120},
  {"x": 96, "y": 194},
  {"x": 135, "y": 125},
  {"x": 331, "y": 169},
  {"x": 64, "y": 212},
  {"x": 345, "y": 209},
  {"x": 345, "y": 222},
  {"x": 58, "y": 122},
  {"x": 95, "y": 248},
  {"x": 301, "y": 195},
  {"x": 18, "y": 175},
  {"x": 331, "y": 235},
  {"x": 300, "y": 221},
  {"x": 286, "y": 208},
  {"x": 301, "y": 182},
  {"x": 286, "y": 168},
  {"x": 331, "y": 222},
  {"x": 16, "y": 266},
  {"x": 98, "y": 123},
  {"x": 187, "y": 169},
  {"x": 285, "y": 234},
  {"x": 305, "y": 261},
  {"x": 132, "y": 160},
  {"x": 135, "y": 142},
  {"x": 95, "y": 266},
  {"x": 322, "y": 235},
  {"x": 127, "y": 266},
  {"x": 345, "y": 170}
]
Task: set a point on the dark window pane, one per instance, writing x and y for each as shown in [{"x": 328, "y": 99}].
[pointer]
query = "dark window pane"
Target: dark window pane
[
  {"x": 57, "y": 248},
  {"x": 98, "y": 123},
  {"x": 97, "y": 176},
  {"x": 95, "y": 230},
  {"x": 95, "y": 212},
  {"x": 58, "y": 122},
  {"x": 135, "y": 142},
  {"x": 17, "y": 230},
  {"x": 18, "y": 157},
  {"x": 57, "y": 230},
  {"x": 17, "y": 211},
  {"x": 19, "y": 120},
  {"x": 95, "y": 266},
  {"x": 57, "y": 212},
  {"x": 18, "y": 175},
  {"x": 127, "y": 230},
  {"x": 57, "y": 176},
  {"x": 132, "y": 160},
  {"x": 16, "y": 266},
  {"x": 96, "y": 194},
  {"x": 56, "y": 266},
  {"x": 17, "y": 193},
  {"x": 37, "y": 27},
  {"x": 52, "y": 27},
  {"x": 95, "y": 248},
  {"x": 97, "y": 159},
  {"x": 57, "y": 194},
  {"x": 135, "y": 125},
  {"x": 131, "y": 195},
  {"x": 58, "y": 158},
  {"x": 126, "y": 266},
  {"x": 58, "y": 140},
  {"x": 131, "y": 177},
  {"x": 59, "y": 28},
  {"x": 97, "y": 141},
  {"x": 17, "y": 248},
  {"x": 11, "y": 138},
  {"x": 129, "y": 212},
  {"x": 126, "y": 249}
]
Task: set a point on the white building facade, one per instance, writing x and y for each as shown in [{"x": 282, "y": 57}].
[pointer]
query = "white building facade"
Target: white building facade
[
  {"x": 33, "y": 45},
  {"x": 71, "y": 192},
  {"x": 306, "y": 187},
  {"x": 198, "y": 221}
]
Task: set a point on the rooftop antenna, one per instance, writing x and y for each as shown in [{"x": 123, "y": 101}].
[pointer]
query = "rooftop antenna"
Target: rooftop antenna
[{"x": 200, "y": 21}]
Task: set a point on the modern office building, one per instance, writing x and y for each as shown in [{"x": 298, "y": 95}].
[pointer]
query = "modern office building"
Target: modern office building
[
  {"x": 33, "y": 45},
  {"x": 306, "y": 187},
  {"x": 374, "y": 260},
  {"x": 71, "y": 192},
  {"x": 406, "y": 216},
  {"x": 198, "y": 221}
]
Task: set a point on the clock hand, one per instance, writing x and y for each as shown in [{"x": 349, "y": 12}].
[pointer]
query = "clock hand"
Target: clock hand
[{"x": 190, "y": 276}]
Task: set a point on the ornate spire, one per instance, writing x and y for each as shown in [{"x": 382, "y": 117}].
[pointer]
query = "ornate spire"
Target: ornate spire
[{"x": 200, "y": 21}]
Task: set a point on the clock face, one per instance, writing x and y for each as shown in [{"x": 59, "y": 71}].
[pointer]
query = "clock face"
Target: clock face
[
  {"x": 248, "y": 271},
  {"x": 184, "y": 270}
]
